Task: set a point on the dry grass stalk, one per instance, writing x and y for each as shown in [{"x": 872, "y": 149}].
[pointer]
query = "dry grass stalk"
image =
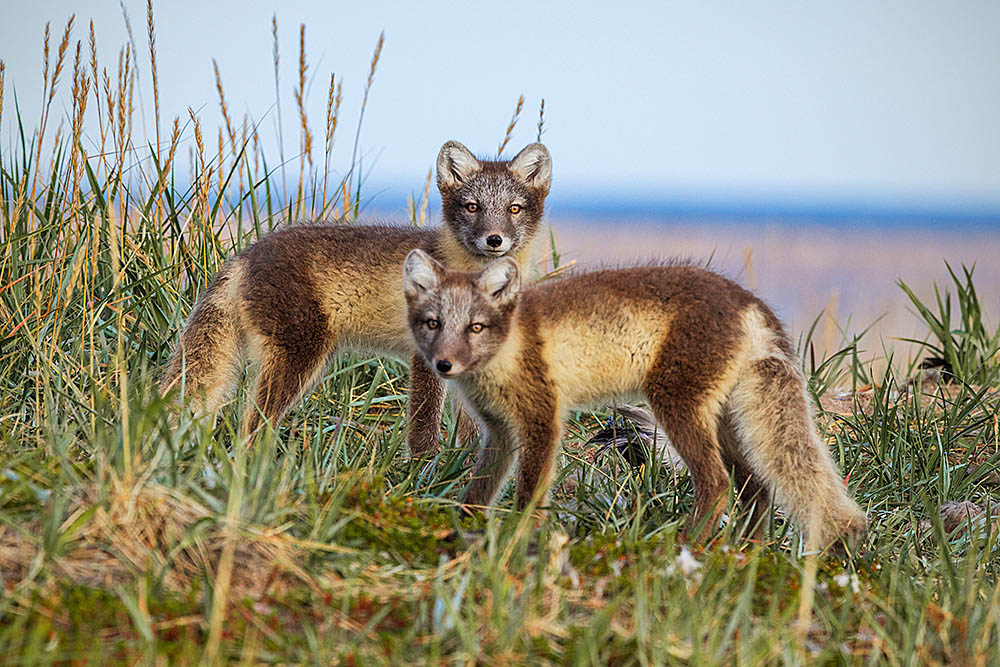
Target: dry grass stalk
[
  {"x": 225, "y": 109},
  {"x": 422, "y": 220},
  {"x": 332, "y": 114},
  {"x": 345, "y": 197},
  {"x": 541, "y": 121},
  {"x": 203, "y": 173},
  {"x": 256, "y": 153},
  {"x": 175, "y": 137},
  {"x": 124, "y": 103},
  {"x": 364, "y": 104},
  {"x": 512, "y": 124},
  {"x": 2, "y": 69},
  {"x": 244, "y": 140},
  {"x": 60, "y": 58},
  {"x": 306, "y": 136},
  {"x": 221, "y": 170},
  {"x": 95, "y": 74},
  {"x": 109, "y": 102},
  {"x": 300, "y": 93},
  {"x": 151, "y": 32},
  {"x": 45, "y": 58},
  {"x": 48, "y": 86},
  {"x": 419, "y": 217},
  {"x": 154, "y": 528},
  {"x": 749, "y": 275},
  {"x": 81, "y": 91},
  {"x": 277, "y": 104},
  {"x": 831, "y": 332}
]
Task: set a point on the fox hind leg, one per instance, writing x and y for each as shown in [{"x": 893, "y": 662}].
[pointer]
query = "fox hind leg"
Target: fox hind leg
[
  {"x": 206, "y": 360},
  {"x": 283, "y": 378},
  {"x": 750, "y": 490},
  {"x": 684, "y": 404},
  {"x": 695, "y": 440}
]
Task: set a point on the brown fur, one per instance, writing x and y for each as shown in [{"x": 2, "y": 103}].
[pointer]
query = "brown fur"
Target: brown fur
[
  {"x": 297, "y": 296},
  {"x": 712, "y": 360}
]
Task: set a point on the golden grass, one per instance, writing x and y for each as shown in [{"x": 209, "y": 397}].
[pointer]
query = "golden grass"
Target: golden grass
[
  {"x": 151, "y": 34},
  {"x": 116, "y": 534},
  {"x": 511, "y": 125},
  {"x": 541, "y": 121},
  {"x": 3, "y": 68}
]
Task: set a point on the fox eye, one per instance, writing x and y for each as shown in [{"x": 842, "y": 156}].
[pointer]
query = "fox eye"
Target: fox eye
[
  {"x": 514, "y": 209},
  {"x": 472, "y": 207},
  {"x": 432, "y": 324},
  {"x": 477, "y": 327}
]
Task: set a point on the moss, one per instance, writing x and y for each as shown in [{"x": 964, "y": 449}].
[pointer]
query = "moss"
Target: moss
[
  {"x": 82, "y": 622},
  {"x": 414, "y": 533}
]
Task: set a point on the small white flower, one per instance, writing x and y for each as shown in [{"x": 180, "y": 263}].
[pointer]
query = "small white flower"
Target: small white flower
[
  {"x": 686, "y": 562},
  {"x": 844, "y": 580}
]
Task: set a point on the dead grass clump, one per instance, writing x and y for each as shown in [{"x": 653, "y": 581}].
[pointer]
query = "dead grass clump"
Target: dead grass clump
[{"x": 151, "y": 530}]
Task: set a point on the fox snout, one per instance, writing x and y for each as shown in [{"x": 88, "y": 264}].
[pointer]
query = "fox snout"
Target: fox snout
[
  {"x": 447, "y": 368},
  {"x": 449, "y": 358},
  {"x": 494, "y": 242}
]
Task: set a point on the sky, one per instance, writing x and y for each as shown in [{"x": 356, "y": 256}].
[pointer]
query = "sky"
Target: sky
[{"x": 850, "y": 103}]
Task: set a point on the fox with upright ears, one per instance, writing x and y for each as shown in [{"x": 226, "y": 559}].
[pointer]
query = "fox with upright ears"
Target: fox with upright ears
[
  {"x": 294, "y": 298},
  {"x": 712, "y": 360}
]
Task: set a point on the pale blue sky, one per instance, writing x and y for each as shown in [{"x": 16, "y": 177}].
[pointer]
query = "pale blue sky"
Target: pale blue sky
[{"x": 891, "y": 102}]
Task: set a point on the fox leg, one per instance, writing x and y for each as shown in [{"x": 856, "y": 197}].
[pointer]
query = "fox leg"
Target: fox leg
[
  {"x": 538, "y": 433},
  {"x": 425, "y": 403},
  {"x": 690, "y": 416},
  {"x": 695, "y": 440},
  {"x": 467, "y": 430},
  {"x": 496, "y": 454},
  {"x": 781, "y": 446},
  {"x": 749, "y": 489},
  {"x": 205, "y": 366},
  {"x": 284, "y": 377},
  {"x": 206, "y": 358}
]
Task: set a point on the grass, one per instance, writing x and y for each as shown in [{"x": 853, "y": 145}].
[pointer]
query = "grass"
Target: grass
[{"x": 128, "y": 536}]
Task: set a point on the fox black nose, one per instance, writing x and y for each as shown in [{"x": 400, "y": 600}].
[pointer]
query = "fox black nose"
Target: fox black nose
[
  {"x": 494, "y": 241},
  {"x": 443, "y": 365}
]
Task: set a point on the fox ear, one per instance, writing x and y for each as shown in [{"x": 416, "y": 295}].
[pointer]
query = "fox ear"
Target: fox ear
[
  {"x": 501, "y": 280},
  {"x": 420, "y": 273},
  {"x": 455, "y": 165},
  {"x": 533, "y": 166}
]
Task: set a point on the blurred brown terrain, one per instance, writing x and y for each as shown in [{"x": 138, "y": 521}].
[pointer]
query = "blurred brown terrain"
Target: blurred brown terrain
[{"x": 804, "y": 270}]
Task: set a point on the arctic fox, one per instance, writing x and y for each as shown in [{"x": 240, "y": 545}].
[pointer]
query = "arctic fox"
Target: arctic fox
[
  {"x": 295, "y": 297},
  {"x": 711, "y": 359}
]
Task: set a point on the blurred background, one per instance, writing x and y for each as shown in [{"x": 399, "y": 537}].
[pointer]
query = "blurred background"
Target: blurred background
[{"x": 816, "y": 152}]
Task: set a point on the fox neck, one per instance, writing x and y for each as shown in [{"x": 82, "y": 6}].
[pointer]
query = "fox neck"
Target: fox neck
[{"x": 456, "y": 257}]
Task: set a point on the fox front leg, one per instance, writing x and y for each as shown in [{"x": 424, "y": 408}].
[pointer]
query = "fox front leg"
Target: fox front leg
[
  {"x": 495, "y": 458},
  {"x": 425, "y": 404},
  {"x": 539, "y": 432}
]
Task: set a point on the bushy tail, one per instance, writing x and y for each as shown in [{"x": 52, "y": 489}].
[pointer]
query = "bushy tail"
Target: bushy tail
[
  {"x": 205, "y": 362},
  {"x": 772, "y": 414}
]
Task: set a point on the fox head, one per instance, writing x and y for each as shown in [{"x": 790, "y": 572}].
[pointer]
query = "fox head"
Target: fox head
[
  {"x": 493, "y": 208},
  {"x": 458, "y": 319}
]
